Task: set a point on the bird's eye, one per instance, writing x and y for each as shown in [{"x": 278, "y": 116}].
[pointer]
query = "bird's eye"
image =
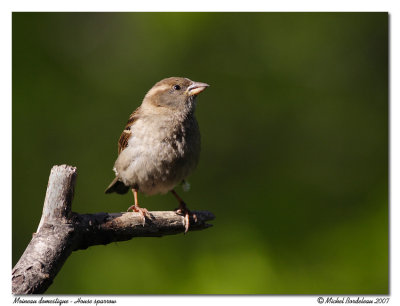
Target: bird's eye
[{"x": 177, "y": 87}]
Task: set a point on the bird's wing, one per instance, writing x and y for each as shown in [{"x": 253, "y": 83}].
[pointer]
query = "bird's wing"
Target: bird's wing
[{"x": 127, "y": 132}]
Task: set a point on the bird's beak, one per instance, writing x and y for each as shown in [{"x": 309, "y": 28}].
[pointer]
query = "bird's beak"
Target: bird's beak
[{"x": 196, "y": 87}]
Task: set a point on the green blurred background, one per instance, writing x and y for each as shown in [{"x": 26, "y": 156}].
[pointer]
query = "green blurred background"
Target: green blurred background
[{"x": 294, "y": 159}]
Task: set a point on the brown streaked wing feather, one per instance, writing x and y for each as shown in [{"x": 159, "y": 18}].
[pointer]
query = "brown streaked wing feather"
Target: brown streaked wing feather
[
  {"x": 127, "y": 132},
  {"x": 123, "y": 140}
]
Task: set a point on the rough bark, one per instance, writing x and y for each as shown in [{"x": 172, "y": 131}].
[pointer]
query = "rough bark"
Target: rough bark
[{"x": 60, "y": 232}]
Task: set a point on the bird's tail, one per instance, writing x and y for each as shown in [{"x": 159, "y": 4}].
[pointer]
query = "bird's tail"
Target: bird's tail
[{"x": 117, "y": 186}]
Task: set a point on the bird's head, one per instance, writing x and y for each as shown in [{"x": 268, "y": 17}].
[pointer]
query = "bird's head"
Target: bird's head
[{"x": 174, "y": 93}]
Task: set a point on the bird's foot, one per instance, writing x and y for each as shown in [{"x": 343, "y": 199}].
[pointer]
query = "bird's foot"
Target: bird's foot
[
  {"x": 183, "y": 210},
  {"x": 143, "y": 211}
]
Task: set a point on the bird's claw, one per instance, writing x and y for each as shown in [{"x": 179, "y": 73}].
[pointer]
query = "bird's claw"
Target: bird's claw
[
  {"x": 186, "y": 212},
  {"x": 143, "y": 211}
]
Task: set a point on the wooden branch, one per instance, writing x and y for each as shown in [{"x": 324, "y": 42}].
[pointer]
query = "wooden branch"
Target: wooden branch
[{"x": 60, "y": 232}]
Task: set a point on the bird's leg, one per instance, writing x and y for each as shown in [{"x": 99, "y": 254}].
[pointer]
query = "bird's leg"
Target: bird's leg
[
  {"x": 182, "y": 209},
  {"x": 143, "y": 211}
]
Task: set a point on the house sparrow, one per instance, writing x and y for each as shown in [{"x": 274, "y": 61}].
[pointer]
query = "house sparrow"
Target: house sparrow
[{"x": 160, "y": 144}]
